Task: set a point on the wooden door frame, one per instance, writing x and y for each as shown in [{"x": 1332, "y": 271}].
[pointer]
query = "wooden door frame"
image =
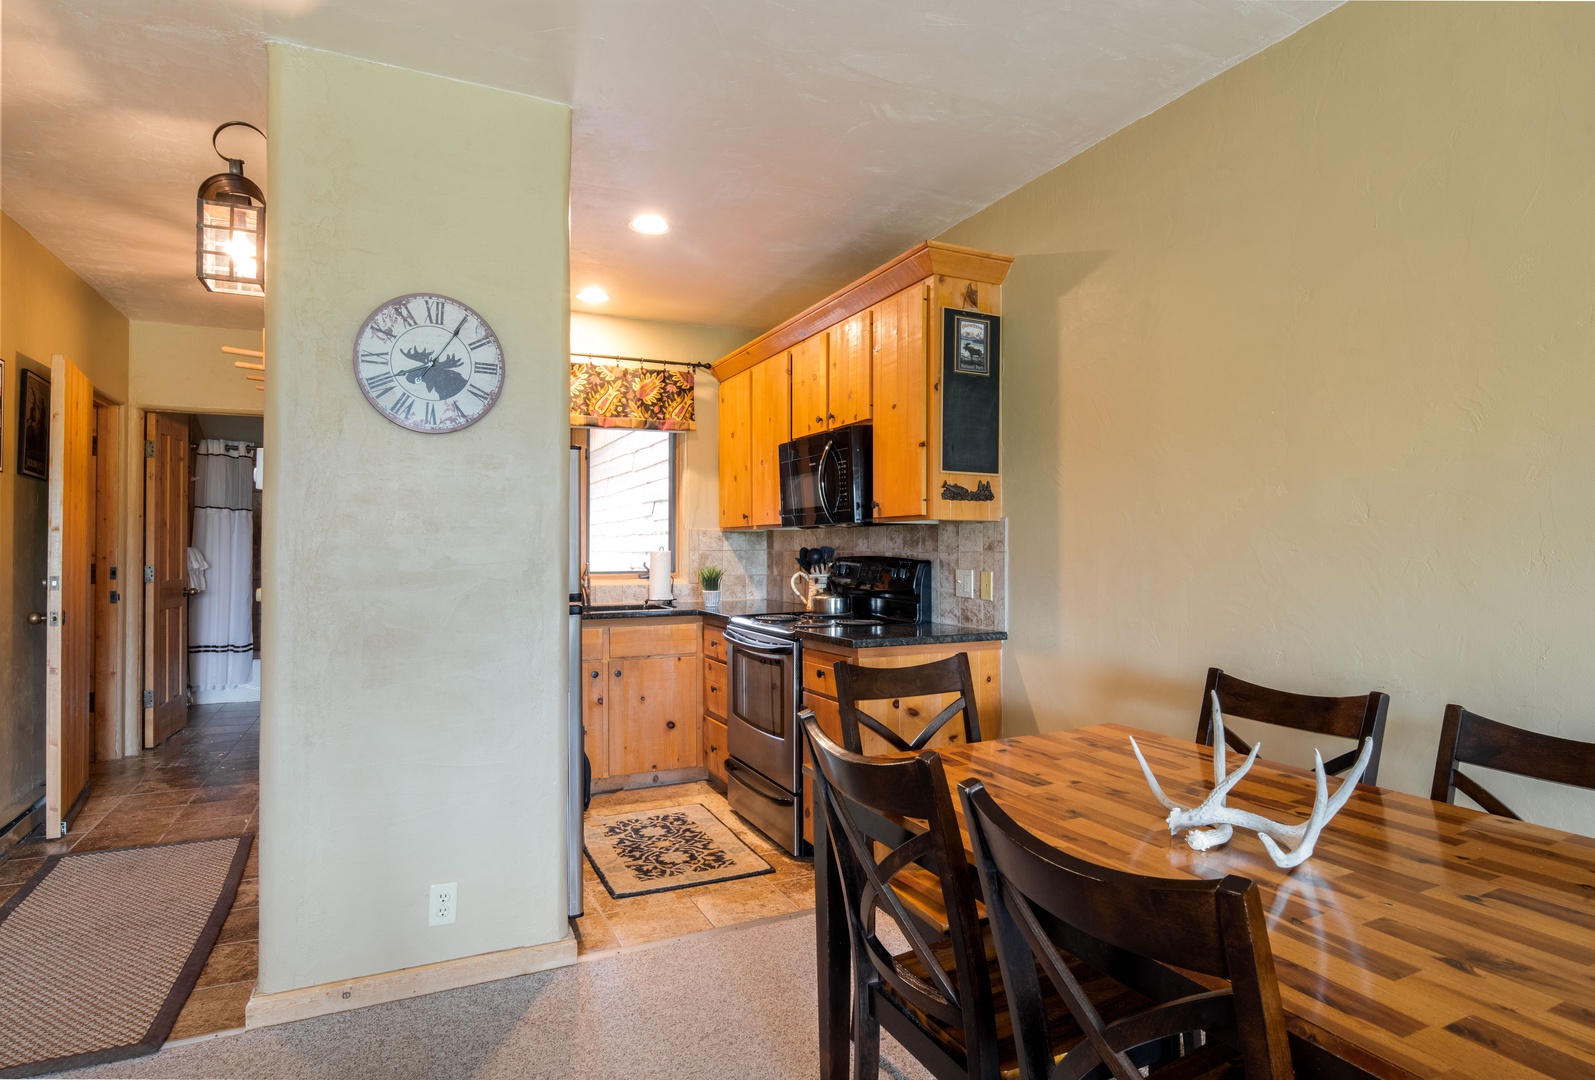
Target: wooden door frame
[{"x": 110, "y": 588}]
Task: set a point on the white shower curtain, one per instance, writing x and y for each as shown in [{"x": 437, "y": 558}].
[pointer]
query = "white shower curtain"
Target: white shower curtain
[{"x": 221, "y": 640}]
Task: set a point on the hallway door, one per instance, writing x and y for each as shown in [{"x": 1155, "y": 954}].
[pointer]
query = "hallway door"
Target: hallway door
[
  {"x": 166, "y": 523},
  {"x": 68, "y": 740}
]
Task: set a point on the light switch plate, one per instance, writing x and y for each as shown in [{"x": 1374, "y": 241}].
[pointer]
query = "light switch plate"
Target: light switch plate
[
  {"x": 966, "y": 584},
  {"x": 988, "y": 585}
]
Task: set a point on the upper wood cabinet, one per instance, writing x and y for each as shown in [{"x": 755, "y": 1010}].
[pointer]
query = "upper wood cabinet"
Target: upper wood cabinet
[
  {"x": 848, "y": 392},
  {"x": 872, "y": 351},
  {"x": 811, "y": 369},
  {"x": 770, "y": 426},
  {"x": 736, "y": 451},
  {"x": 900, "y": 369}
]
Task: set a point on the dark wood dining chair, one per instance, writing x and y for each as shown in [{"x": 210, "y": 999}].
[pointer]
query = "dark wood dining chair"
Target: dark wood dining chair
[
  {"x": 1045, "y": 905},
  {"x": 1470, "y": 739},
  {"x": 1359, "y": 717},
  {"x": 855, "y": 684}
]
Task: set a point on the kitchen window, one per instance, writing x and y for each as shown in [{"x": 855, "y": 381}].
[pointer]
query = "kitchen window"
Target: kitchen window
[{"x": 630, "y": 498}]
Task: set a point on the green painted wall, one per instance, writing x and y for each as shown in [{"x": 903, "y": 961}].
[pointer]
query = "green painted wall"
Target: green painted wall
[
  {"x": 1299, "y": 384},
  {"x": 413, "y": 724}
]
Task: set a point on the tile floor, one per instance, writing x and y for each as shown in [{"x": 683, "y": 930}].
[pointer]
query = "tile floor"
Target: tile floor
[
  {"x": 202, "y": 782},
  {"x": 609, "y": 924}
]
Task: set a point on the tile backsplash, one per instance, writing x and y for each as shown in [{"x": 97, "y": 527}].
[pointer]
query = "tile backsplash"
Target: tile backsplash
[{"x": 759, "y": 565}]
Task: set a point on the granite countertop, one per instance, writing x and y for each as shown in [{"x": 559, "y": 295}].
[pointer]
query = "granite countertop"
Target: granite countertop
[{"x": 849, "y": 637}]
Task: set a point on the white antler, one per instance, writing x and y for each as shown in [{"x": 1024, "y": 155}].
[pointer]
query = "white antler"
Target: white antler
[{"x": 1211, "y": 824}]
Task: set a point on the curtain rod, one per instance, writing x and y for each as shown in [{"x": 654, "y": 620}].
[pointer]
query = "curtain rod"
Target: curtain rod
[{"x": 694, "y": 365}]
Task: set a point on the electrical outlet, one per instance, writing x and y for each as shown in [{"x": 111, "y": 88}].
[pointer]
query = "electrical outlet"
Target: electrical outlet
[
  {"x": 966, "y": 584},
  {"x": 443, "y": 903},
  {"x": 988, "y": 585}
]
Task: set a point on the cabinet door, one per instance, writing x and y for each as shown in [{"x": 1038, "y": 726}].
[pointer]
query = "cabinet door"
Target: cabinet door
[
  {"x": 849, "y": 391},
  {"x": 901, "y": 466},
  {"x": 810, "y": 374},
  {"x": 653, "y": 714},
  {"x": 714, "y": 750},
  {"x": 772, "y": 425},
  {"x": 595, "y": 715},
  {"x": 830, "y": 719},
  {"x": 714, "y": 688},
  {"x": 736, "y": 419}
]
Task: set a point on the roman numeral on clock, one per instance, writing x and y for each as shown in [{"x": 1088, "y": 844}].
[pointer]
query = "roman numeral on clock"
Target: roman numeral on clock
[
  {"x": 486, "y": 367},
  {"x": 381, "y": 384},
  {"x": 368, "y": 357},
  {"x": 431, "y": 414},
  {"x": 380, "y": 332},
  {"x": 403, "y": 408},
  {"x": 485, "y": 339},
  {"x": 434, "y": 311},
  {"x": 404, "y": 313},
  {"x": 481, "y": 394}
]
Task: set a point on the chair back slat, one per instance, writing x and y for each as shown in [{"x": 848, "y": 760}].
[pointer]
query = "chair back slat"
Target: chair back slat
[
  {"x": 1359, "y": 717},
  {"x": 1036, "y": 895},
  {"x": 855, "y": 684},
  {"x": 884, "y": 815},
  {"x": 1467, "y": 738}
]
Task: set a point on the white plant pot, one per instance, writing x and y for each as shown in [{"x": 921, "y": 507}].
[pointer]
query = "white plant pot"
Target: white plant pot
[{"x": 711, "y": 599}]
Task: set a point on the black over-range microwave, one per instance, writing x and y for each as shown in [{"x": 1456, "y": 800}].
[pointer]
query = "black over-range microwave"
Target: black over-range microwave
[{"x": 825, "y": 477}]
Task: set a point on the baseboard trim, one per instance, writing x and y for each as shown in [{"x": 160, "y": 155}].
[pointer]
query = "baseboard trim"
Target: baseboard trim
[
  {"x": 664, "y": 778},
  {"x": 267, "y": 1010}
]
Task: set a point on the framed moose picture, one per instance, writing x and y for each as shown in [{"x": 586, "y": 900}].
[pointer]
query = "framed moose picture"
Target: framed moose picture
[{"x": 33, "y": 422}]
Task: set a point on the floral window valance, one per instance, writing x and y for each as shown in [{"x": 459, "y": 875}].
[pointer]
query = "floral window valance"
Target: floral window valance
[{"x": 615, "y": 396}]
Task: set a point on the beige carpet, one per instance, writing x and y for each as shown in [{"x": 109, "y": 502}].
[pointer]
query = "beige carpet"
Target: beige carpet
[
  {"x": 99, "y": 951},
  {"x": 673, "y": 847},
  {"x": 732, "y": 1004}
]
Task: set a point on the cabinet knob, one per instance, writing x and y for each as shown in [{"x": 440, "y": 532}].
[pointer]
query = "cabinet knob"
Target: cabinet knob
[
  {"x": 671, "y": 724},
  {"x": 600, "y": 701},
  {"x": 617, "y": 673},
  {"x": 594, "y": 675},
  {"x": 641, "y": 698},
  {"x": 820, "y": 673}
]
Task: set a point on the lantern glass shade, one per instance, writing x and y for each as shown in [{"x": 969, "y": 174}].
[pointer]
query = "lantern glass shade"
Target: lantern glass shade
[{"x": 232, "y": 241}]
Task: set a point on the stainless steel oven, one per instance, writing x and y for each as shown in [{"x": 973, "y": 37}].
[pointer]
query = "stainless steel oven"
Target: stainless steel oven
[{"x": 764, "y": 777}]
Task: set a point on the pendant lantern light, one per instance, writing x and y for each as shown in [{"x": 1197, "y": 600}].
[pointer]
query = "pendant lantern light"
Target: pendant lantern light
[{"x": 231, "y": 255}]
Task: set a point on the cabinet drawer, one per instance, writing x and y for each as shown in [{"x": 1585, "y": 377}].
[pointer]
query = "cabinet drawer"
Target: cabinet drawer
[
  {"x": 592, "y": 643},
  {"x": 714, "y": 643},
  {"x": 714, "y": 749},
  {"x": 817, "y": 674},
  {"x": 714, "y": 688},
  {"x": 675, "y": 638}
]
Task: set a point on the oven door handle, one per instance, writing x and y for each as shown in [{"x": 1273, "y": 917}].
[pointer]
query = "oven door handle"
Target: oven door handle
[
  {"x": 757, "y": 783},
  {"x": 777, "y": 653}
]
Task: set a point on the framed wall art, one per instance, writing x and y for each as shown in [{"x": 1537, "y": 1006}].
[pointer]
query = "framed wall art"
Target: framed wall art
[
  {"x": 33, "y": 426},
  {"x": 972, "y": 391}
]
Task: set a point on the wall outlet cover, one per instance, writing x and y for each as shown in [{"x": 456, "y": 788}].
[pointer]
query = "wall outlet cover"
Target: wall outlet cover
[
  {"x": 988, "y": 585},
  {"x": 442, "y": 904}
]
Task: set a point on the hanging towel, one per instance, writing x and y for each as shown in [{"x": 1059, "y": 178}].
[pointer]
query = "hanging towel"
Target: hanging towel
[{"x": 196, "y": 570}]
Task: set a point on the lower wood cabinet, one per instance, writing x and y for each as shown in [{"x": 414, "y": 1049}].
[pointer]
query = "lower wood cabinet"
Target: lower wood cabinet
[
  {"x": 714, "y": 750},
  {"x": 595, "y": 717},
  {"x": 653, "y": 714}
]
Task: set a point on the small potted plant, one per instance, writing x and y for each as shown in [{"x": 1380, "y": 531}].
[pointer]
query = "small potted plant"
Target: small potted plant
[{"x": 709, "y": 578}]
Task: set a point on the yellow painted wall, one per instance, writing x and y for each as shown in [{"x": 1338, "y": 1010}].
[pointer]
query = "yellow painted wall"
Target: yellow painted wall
[
  {"x": 413, "y": 726},
  {"x": 44, "y": 309},
  {"x": 182, "y": 368},
  {"x": 1299, "y": 382},
  {"x": 610, "y": 336}
]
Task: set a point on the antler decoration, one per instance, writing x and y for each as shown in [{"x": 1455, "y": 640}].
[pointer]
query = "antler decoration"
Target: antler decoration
[{"x": 1212, "y": 823}]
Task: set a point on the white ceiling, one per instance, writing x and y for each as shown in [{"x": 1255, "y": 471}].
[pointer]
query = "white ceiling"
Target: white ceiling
[{"x": 792, "y": 145}]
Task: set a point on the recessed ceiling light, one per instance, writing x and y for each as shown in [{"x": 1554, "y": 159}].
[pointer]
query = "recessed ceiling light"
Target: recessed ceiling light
[
  {"x": 592, "y": 294},
  {"x": 652, "y": 224}
]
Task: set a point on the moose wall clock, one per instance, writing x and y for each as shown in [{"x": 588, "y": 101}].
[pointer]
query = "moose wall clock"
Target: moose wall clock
[{"x": 428, "y": 363}]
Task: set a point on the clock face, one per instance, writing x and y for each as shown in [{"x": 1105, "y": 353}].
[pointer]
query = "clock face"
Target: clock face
[{"x": 428, "y": 363}]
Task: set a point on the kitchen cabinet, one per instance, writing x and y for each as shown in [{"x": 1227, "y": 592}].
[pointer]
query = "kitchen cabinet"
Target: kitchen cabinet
[
  {"x": 714, "y": 642},
  {"x": 907, "y": 716},
  {"x": 848, "y": 390},
  {"x": 873, "y": 351},
  {"x": 653, "y": 714},
  {"x": 714, "y": 688},
  {"x": 714, "y": 751},
  {"x": 811, "y": 371},
  {"x": 736, "y": 451},
  {"x": 899, "y": 371},
  {"x": 771, "y": 425},
  {"x": 642, "y": 701}
]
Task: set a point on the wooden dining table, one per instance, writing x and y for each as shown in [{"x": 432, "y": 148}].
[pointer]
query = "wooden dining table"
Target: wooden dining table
[{"x": 1421, "y": 940}]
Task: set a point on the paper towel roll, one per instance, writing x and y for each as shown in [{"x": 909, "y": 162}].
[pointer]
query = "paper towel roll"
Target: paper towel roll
[{"x": 659, "y": 575}]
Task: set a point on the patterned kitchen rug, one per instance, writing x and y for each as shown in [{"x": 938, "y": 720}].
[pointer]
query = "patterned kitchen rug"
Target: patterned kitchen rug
[
  {"x": 99, "y": 950},
  {"x": 677, "y": 847}
]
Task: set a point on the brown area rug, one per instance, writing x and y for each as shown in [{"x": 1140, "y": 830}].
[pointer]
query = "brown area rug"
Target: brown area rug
[
  {"x": 99, "y": 951},
  {"x": 677, "y": 847}
]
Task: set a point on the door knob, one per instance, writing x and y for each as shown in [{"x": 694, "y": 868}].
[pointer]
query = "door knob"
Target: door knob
[{"x": 35, "y": 618}]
